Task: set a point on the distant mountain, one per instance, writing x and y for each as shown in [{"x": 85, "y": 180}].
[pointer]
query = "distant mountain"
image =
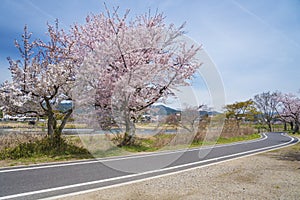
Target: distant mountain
[
  {"x": 163, "y": 110},
  {"x": 209, "y": 113},
  {"x": 64, "y": 106},
  {"x": 154, "y": 110}
]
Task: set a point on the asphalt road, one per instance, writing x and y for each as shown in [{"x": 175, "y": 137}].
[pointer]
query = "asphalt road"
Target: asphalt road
[{"x": 51, "y": 180}]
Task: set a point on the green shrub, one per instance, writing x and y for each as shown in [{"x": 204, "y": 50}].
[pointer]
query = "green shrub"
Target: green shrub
[{"x": 44, "y": 147}]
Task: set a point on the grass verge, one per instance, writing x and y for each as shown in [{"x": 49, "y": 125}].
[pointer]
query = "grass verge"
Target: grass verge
[
  {"x": 227, "y": 140},
  {"x": 41, "y": 151}
]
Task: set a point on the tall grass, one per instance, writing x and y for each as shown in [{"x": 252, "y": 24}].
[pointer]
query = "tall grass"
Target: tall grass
[
  {"x": 12, "y": 140},
  {"x": 230, "y": 129},
  {"x": 16, "y": 146}
]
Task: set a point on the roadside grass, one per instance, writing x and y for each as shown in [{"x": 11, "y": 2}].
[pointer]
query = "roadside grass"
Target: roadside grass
[
  {"x": 39, "y": 125},
  {"x": 26, "y": 149},
  {"x": 41, "y": 159},
  {"x": 162, "y": 142},
  {"x": 294, "y": 134},
  {"x": 227, "y": 140},
  {"x": 151, "y": 144},
  {"x": 32, "y": 147},
  {"x": 297, "y": 135},
  {"x": 222, "y": 140},
  {"x": 44, "y": 149}
]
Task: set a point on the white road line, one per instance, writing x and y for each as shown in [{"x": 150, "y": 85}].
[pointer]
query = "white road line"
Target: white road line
[
  {"x": 158, "y": 176},
  {"x": 148, "y": 172},
  {"x": 128, "y": 157}
]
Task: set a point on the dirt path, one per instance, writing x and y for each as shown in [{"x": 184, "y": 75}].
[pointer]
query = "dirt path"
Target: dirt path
[{"x": 271, "y": 175}]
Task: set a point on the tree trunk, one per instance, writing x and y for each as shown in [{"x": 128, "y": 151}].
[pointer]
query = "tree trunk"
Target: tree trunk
[
  {"x": 65, "y": 120},
  {"x": 55, "y": 132},
  {"x": 285, "y": 127},
  {"x": 51, "y": 124},
  {"x": 238, "y": 123},
  {"x": 296, "y": 130},
  {"x": 292, "y": 125},
  {"x": 51, "y": 118},
  {"x": 129, "y": 136},
  {"x": 270, "y": 126}
]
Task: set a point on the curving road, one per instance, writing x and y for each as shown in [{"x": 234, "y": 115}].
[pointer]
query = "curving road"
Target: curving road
[{"x": 53, "y": 180}]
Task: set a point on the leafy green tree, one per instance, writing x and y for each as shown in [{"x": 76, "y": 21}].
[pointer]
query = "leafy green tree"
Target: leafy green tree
[{"x": 239, "y": 111}]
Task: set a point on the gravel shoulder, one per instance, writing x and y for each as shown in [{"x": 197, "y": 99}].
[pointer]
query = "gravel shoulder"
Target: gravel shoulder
[{"x": 270, "y": 175}]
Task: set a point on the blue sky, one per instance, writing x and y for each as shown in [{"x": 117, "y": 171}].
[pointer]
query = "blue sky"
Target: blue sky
[{"x": 255, "y": 45}]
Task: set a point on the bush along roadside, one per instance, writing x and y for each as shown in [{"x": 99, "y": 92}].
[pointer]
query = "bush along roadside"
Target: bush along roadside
[{"x": 44, "y": 147}]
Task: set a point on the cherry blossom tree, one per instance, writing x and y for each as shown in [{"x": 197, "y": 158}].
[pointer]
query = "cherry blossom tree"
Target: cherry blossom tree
[
  {"x": 130, "y": 64},
  {"x": 126, "y": 64},
  {"x": 42, "y": 79},
  {"x": 290, "y": 109}
]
